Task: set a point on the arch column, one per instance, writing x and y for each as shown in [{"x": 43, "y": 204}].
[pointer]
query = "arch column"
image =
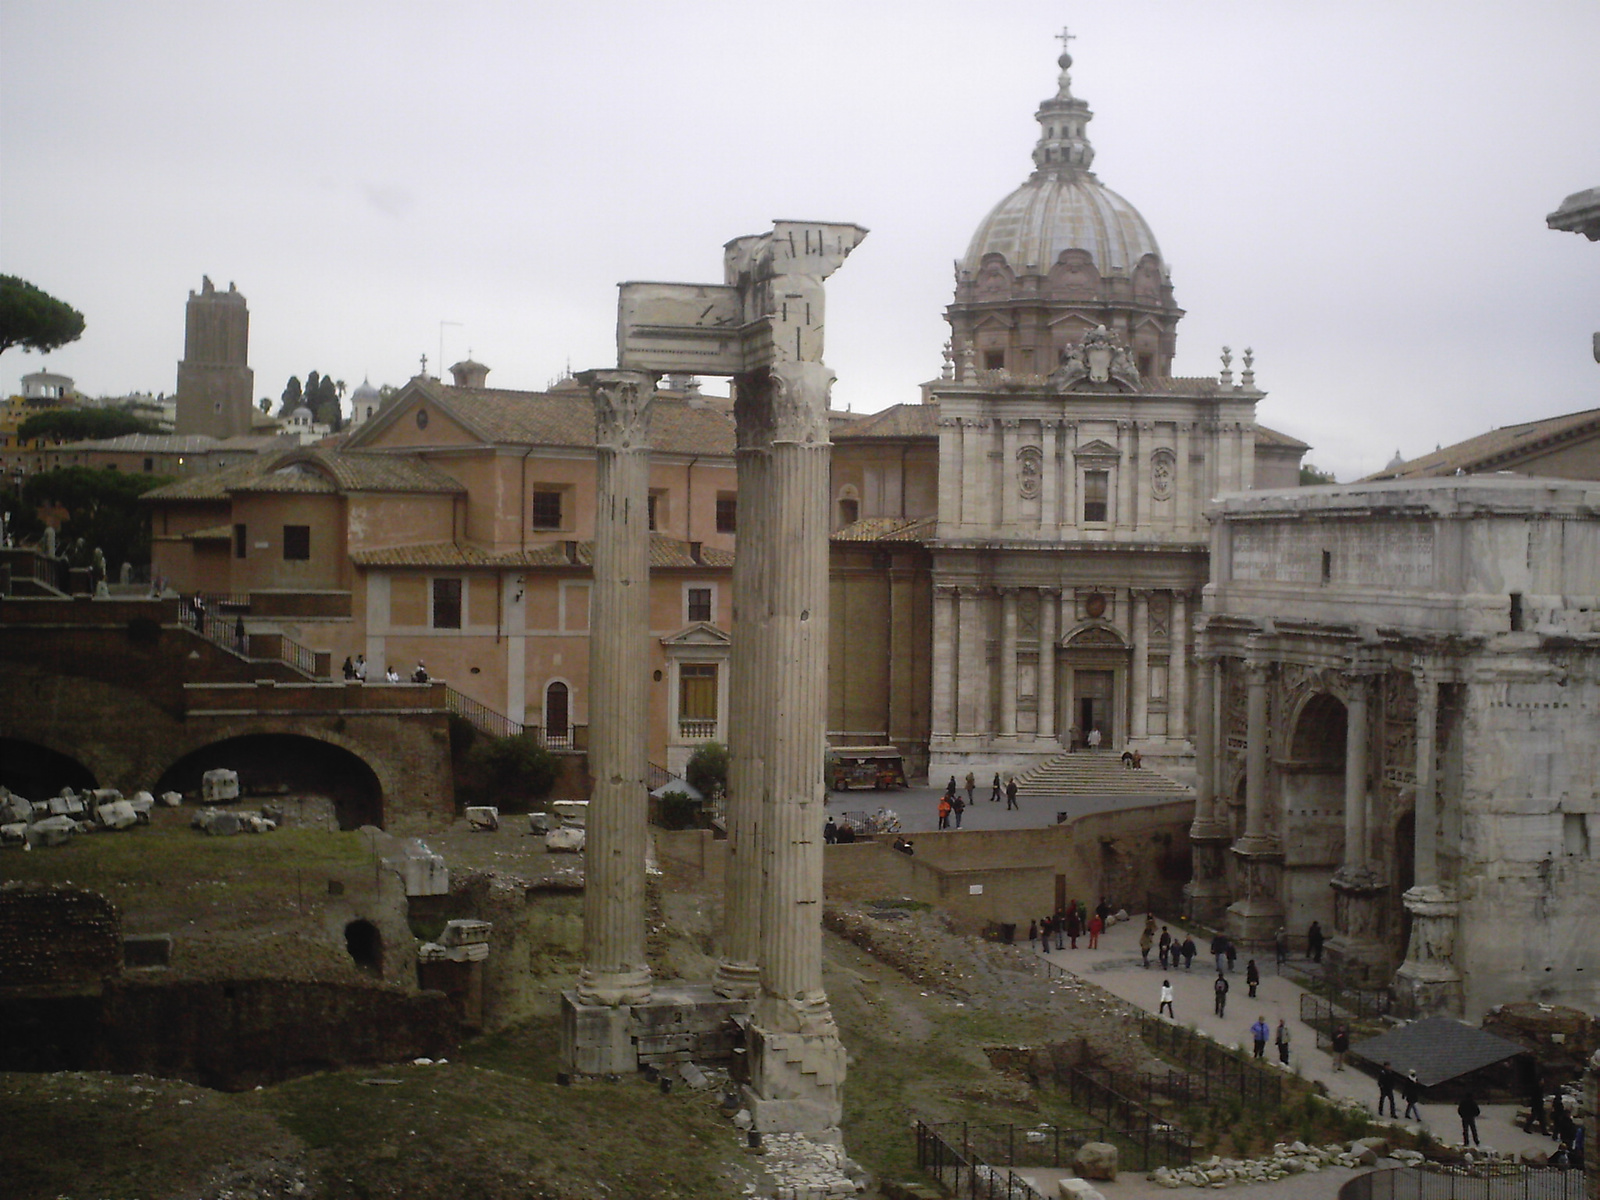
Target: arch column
[
  {"x": 1206, "y": 894},
  {"x": 1356, "y": 953},
  {"x": 1257, "y": 914},
  {"x": 944, "y": 664},
  {"x": 1178, "y": 670}
]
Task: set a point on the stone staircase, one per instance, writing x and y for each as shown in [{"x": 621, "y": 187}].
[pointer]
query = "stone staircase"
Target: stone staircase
[{"x": 1097, "y": 773}]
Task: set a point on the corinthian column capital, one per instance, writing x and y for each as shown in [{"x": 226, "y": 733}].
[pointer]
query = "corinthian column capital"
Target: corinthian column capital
[{"x": 621, "y": 406}]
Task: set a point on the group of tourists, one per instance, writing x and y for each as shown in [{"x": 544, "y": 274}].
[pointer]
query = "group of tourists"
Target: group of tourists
[
  {"x": 356, "y": 670},
  {"x": 1069, "y": 924},
  {"x": 952, "y": 805}
]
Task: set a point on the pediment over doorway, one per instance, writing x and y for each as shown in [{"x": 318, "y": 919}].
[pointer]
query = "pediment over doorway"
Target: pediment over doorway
[
  {"x": 1098, "y": 637},
  {"x": 1097, "y": 449},
  {"x": 701, "y": 633}
]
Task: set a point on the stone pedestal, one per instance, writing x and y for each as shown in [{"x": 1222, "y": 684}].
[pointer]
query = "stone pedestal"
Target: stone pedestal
[
  {"x": 1428, "y": 983},
  {"x": 1356, "y": 954},
  {"x": 1205, "y": 896},
  {"x": 679, "y": 1023},
  {"x": 1257, "y": 915}
]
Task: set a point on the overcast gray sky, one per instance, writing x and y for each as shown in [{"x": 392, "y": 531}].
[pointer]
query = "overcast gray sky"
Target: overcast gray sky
[{"x": 1357, "y": 190}]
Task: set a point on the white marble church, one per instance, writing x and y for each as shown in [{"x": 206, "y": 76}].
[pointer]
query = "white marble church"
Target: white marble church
[{"x": 1073, "y": 470}]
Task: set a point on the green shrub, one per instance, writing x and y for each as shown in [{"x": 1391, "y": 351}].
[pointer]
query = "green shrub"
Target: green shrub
[
  {"x": 708, "y": 769},
  {"x": 463, "y": 733},
  {"x": 679, "y": 811},
  {"x": 510, "y": 773}
]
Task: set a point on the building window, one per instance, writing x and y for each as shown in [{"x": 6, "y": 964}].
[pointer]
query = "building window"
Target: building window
[
  {"x": 727, "y": 512},
  {"x": 1096, "y": 489},
  {"x": 699, "y": 604},
  {"x": 657, "y": 509},
  {"x": 546, "y": 510},
  {"x": 849, "y": 510},
  {"x": 1327, "y": 566},
  {"x": 296, "y": 543},
  {"x": 697, "y": 701},
  {"x": 149, "y": 465},
  {"x": 239, "y": 540},
  {"x": 1516, "y": 612},
  {"x": 994, "y": 360},
  {"x": 447, "y": 604}
]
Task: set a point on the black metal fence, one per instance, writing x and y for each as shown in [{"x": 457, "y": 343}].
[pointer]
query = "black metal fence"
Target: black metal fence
[
  {"x": 1215, "y": 1074},
  {"x": 946, "y": 1153},
  {"x": 1502, "y": 1181},
  {"x": 1322, "y": 1014}
]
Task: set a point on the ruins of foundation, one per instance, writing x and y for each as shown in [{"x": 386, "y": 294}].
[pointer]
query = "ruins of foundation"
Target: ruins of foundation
[{"x": 763, "y": 326}]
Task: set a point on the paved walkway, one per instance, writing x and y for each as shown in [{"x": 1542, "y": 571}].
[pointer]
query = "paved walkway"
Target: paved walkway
[
  {"x": 1116, "y": 967},
  {"x": 918, "y": 807}
]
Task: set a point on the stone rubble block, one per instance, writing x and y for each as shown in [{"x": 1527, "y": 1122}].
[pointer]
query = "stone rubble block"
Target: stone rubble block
[
  {"x": 218, "y": 786},
  {"x": 1096, "y": 1160},
  {"x": 51, "y": 831},
  {"x": 117, "y": 814},
  {"x": 14, "y": 808},
  {"x": 1082, "y": 1189},
  {"x": 13, "y": 832},
  {"x": 483, "y": 817},
  {"x": 565, "y": 841},
  {"x": 172, "y": 799}
]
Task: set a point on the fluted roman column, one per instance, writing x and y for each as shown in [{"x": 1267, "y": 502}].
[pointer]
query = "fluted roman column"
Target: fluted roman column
[
  {"x": 1008, "y": 664},
  {"x": 738, "y": 971},
  {"x": 1355, "y": 779},
  {"x": 1139, "y": 683},
  {"x": 1205, "y": 746},
  {"x": 1049, "y": 603},
  {"x": 1255, "y": 762},
  {"x": 1426, "y": 811},
  {"x": 796, "y": 525},
  {"x": 1178, "y": 670},
  {"x": 615, "y": 970}
]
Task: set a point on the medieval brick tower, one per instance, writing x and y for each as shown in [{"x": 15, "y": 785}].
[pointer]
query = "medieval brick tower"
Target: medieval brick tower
[{"x": 215, "y": 381}]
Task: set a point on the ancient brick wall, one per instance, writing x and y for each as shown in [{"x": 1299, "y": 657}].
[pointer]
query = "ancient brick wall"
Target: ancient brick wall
[
  {"x": 57, "y": 939},
  {"x": 232, "y": 1035}
]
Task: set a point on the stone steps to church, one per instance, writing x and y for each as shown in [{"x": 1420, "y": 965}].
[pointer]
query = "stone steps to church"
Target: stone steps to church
[{"x": 1095, "y": 773}]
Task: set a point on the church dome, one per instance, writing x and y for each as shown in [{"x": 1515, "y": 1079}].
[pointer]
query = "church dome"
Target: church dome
[{"x": 1063, "y": 206}]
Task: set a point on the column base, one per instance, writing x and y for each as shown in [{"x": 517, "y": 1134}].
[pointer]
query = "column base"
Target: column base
[
  {"x": 1258, "y": 914},
  {"x": 1206, "y": 895},
  {"x": 1357, "y": 955},
  {"x": 737, "y": 980},
  {"x": 630, "y": 985},
  {"x": 796, "y": 1082},
  {"x": 677, "y": 1024}
]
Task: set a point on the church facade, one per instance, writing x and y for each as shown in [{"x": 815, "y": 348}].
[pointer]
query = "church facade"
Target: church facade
[{"x": 1062, "y": 517}]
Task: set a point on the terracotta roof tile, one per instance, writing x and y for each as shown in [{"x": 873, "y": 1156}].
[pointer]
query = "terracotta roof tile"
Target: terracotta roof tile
[
  {"x": 665, "y": 552},
  {"x": 1271, "y": 437},
  {"x": 1499, "y": 449},
  {"x": 887, "y": 529},
  {"x": 896, "y": 421}
]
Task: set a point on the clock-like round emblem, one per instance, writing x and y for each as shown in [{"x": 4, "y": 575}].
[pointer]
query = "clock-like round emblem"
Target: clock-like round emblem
[
  {"x": 1095, "y": 606},
  {"x": 422, "y": 418}
]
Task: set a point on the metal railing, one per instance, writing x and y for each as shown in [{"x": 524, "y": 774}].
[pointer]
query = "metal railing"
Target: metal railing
[
  {"x": 1322, "y": 1014},
  {"x": 481, "y": 717},
  {"x": 1214, "y": 1073},
  {"x": 961, "y": 1171},
  {"x": 1499, "y": 1181}
]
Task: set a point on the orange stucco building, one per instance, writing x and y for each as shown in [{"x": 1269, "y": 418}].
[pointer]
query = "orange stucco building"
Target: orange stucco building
[{"x": 455, "y": 528}]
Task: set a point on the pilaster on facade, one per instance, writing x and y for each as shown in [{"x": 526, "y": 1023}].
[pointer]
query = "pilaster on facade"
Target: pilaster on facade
[
  {"x": 1139, "y": 670},
  {"x": 1049, "y": 610},
  {"x": 1178, "y": 670},
  {"x": 943, "y": 672},
  {"x": 1008, "y": 667}
]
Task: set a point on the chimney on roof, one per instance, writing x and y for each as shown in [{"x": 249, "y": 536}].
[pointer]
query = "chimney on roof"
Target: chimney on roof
[
  {"x": 572, "y": 552},
  {"x": 694, "y": 552},
  {"x": 469, "y": 374}
]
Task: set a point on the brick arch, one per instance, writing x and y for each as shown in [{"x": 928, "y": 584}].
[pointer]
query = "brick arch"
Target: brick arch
[
  {"x": 375, "y": 809},
  {"x": 24, "y": 773}
]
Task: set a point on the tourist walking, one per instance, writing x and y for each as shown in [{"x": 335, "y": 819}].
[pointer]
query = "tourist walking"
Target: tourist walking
[
  {"x": 1094, "y": 738},
  {"x": 944, "y": 811},
  {"x": 1219, "y": 952},
  {"x": 1232, "y": 953},
  {"x": 1146, "y": 940},
  {"x": 1011, "y": 792},
  {"x": 1252, "y": 977},
  {"x": 1189, "y": 951},
  {"x": 1060, "y": 924},
  {"x": 238, "y": 635},
  {"x": 1536, "y": 1114},
  {"x": 1103, "y": 911},
  {"x": 1411, "y": 1090},
  {"x": 1341, "y": 1043},
  {"x": 1096, "y": 927},
  {"x": 1388, "y": 1078},
  {"x": 1166, "y": 1000},
  {"x": 1282, "y": 1040},
  {"x": 957, "y": 807},
  {"x": 349, "y": 667},
  {"x": 1314, "y": 942},
  {"x": 1220, "y": 987},
  {"x": 994, "y": 791},
  {"x": 830, "y": 832},
  {"x": 361, "y": 661},
  {"x": 1033, "y": 935},
  {"x": 972, "y": 786},
  {"x": 1259, "y": 1033},
  {"x": 1164, "y": 947},
  {"x": 1468, "y": 1111},
  {"x": 1281, "y": 945},
  {"x": 1073, "y": 928},
  {"x": 1561, "y": 1121}
]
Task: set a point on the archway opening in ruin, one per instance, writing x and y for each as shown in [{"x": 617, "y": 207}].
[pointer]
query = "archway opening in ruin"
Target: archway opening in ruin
[
  {"x": 36, "y": 772},
  {"x": 316, "y": 783},
  {"x": 1311, "y": 782},
  {"x": 365, "y": 944}
]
